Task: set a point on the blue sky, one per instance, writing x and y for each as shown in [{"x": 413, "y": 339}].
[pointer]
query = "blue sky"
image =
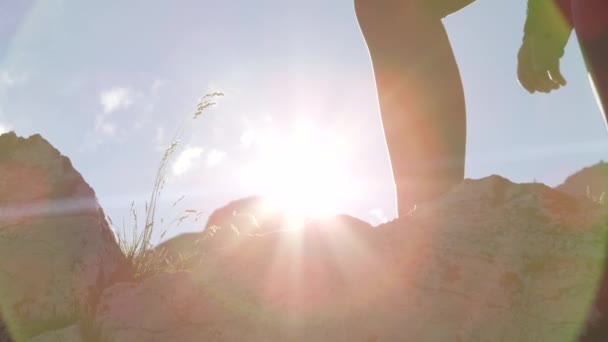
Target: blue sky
[{"x": 109, "y": 82}]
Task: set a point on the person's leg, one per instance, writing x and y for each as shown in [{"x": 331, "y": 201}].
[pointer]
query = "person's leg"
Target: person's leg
[
  {"x": 420, "y": 94},
  {"x": 590, "y": 18},
  {"x": 443, "y": 8}
]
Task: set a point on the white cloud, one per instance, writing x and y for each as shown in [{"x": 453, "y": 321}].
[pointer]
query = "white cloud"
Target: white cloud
[
  {"x": 247, "y": 138},
  {"x": 186, "y": 160},
  {"x": 379, "y": 215},
  {"x": 111, "y": 100},
  {"x": 215, "y": 157},
  {"x": 116, "y": 98}
]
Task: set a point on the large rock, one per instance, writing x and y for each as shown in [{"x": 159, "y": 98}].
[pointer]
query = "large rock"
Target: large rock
[
  {"x": 164, "y": 307},
  {"x": 195, "y": 306},
  {"x": 72, "y": 333},
  {"x": 57, "y": 252},
  {"x": 589, "y": 182},
  {"x": 4, "y": 335},
  {"x": 490, "y": 261},
  {"x": 247, "y": 216}
]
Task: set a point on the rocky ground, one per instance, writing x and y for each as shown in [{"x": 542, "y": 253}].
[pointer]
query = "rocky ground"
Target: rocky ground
[{"x": 490, "y": 261}]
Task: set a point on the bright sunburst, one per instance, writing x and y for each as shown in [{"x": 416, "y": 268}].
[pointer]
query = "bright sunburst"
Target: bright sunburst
[{"x": 304, "y": 171}]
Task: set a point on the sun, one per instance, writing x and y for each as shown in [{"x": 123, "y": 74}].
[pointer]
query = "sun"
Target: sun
[{"x": 304, "y": 171}]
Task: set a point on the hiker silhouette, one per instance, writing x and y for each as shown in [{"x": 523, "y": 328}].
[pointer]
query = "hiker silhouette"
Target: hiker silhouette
[{"x": 420, "y": 90}]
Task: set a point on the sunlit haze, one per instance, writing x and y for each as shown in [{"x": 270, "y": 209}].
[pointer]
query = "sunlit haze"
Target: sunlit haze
[
  {"x": 305, "y": 171},
  {"x": 110, "y": 83}
]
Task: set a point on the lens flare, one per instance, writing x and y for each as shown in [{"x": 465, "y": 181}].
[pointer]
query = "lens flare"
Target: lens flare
[{"x": 303, "y": 172}]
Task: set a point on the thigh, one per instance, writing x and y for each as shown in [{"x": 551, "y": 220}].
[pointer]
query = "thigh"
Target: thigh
[
  {"x": 590, "y": 19},
  {"x": 443, "y": 8}
]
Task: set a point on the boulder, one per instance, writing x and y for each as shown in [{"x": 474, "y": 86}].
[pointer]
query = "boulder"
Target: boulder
[
  {"x": 164, "y": 307},
  {"x": 489, "y": 261},
  {"x": 4, "y": 335},
  {"x": 194, "y": 307},
  {"x": 57, "y": 252},
  {"x": 247, "y": 216},
  {"x": 72, "y": 333}
]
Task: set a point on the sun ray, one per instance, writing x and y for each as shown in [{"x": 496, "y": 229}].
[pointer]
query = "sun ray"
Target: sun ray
[{"x": 304, "y": 171}]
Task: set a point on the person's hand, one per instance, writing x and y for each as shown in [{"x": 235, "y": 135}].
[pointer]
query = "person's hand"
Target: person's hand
[
  {"x": 538, "y": 66},
  {"x": 546, "y": 33}
]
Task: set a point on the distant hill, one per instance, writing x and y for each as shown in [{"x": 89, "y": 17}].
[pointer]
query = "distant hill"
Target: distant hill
[{"x": 591, "y": 180}]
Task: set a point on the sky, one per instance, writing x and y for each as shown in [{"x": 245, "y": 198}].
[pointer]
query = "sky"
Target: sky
[{"x": 110, "y": 83}]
